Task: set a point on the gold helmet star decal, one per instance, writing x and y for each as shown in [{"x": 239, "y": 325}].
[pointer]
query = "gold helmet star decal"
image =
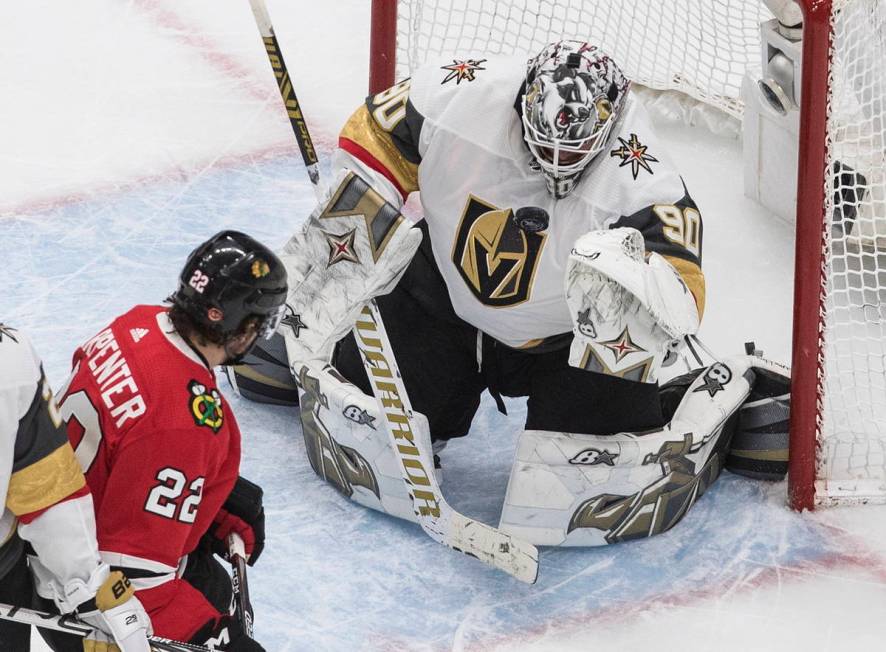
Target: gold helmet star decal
[
  {"x": 632, "y": 152},
  {"x": 341, "y": 247},
  {"x": 462, "y": 70},
  {"x": 622, "y": 346}
]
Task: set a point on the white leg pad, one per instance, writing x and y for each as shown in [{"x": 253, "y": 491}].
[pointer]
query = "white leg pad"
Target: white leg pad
[
  {"x": 587, "y": 490},
  {"x": 346, "y": 441}
]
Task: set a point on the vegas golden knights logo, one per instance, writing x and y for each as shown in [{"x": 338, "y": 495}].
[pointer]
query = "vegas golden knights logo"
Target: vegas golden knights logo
[{"x": 496, "y": 258}]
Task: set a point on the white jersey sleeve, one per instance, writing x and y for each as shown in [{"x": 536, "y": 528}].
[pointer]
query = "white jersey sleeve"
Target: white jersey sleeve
[{"x": 43, "y": 491}]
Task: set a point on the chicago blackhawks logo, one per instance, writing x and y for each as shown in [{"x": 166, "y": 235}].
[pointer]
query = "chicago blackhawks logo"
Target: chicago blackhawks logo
[
  {"x": 206, "y": 406},
  {"x": 495, "y": 258},
  {"x": 260, "y": 268}
]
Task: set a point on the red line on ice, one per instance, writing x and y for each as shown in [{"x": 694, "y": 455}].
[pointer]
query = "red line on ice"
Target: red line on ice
[{"x": 223, "y": 63}]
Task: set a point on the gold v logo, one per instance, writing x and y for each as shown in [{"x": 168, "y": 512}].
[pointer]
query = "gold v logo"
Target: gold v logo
[{"x": 496, "y": 259}]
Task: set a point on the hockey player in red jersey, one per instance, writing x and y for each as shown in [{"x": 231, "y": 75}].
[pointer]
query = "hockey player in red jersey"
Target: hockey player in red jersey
[
  {"x": 159, "y": 444},
  {"x": 560, "y": 261},
  {"x": 46, "y": 503}
]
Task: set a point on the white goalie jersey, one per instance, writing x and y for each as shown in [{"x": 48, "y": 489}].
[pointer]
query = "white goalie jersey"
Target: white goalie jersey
[{"x": 454, "y": 133}]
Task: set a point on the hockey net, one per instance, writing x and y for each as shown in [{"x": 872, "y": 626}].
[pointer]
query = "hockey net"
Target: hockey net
[
  {"x": 851, "y": 378},
  {"x": 702, "y": 48}
]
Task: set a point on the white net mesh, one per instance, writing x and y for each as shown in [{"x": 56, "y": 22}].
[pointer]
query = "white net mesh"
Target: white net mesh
[
  {"x": 852, "y": 454},
  {"x": 700, "y": 47}
]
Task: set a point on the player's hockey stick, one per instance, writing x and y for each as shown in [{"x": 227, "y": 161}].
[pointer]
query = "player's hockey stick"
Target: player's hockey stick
[
  {"x": 242, "y": 605},
  {"x": 73, "y": 625},
  {"x": 287, "y": 92},
  {"x": 436, "y": 517}
]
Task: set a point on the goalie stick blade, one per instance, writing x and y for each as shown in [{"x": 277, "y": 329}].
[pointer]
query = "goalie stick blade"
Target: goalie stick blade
[{"x": 491, "y": 546}]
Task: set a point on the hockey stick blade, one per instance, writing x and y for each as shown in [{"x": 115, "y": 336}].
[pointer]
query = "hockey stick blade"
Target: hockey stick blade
[
  {"x": 436, "y": 517},
  {"x": 492, "y": 546}
]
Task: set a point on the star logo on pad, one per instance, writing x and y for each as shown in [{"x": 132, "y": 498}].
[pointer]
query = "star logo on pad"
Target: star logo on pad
[
  {"x": 341, "y": 247},
  {"x": 622, "y": 346},
  {"x": 293, "y": 320},
  {"x": 632, "y": 152}
]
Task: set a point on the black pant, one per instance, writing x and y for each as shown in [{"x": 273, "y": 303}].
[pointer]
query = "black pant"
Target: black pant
[
  {"x": 16, "y": 587},
  {"x": 437, "y": 354}
]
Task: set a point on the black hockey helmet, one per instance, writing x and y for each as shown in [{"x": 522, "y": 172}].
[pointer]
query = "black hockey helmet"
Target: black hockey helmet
[{"x": 237, "y": 275}]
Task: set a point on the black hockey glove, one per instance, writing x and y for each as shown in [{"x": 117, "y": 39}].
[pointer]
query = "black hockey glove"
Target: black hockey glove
[
  {"x": 244, "y": 514},
  {"x": 226, "y": 636}
]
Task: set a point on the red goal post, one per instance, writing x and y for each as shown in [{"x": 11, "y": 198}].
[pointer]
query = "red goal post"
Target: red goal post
[{"x": 838, "y": 416}]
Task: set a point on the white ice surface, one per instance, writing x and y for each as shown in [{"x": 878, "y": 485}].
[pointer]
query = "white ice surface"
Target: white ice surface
[{"x": 130, "y": 131}]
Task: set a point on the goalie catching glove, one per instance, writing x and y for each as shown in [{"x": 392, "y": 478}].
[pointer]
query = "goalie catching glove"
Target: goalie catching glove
[
  {"x": 630, "y": 309},
  {"x": 353, "y": 248}
]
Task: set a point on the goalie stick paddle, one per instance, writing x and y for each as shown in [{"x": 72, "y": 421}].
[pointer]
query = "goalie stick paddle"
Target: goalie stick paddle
[
  {"x": 436, "y": 517},
  {"x": 73, "y": 625},
  {"x": 242, "y": 605}
]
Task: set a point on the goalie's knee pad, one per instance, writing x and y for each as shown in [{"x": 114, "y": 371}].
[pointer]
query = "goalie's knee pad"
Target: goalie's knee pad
[
  {"x": 571, "y": 489},
  {"x": 264, "y": 376},
  {"x": 347, "y": 443}
]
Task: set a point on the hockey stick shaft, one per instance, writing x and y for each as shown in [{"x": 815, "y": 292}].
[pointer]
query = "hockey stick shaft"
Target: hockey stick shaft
[
  {"x": 436, "y": 517},
  {"x": 242, "y": 605},
  {"x": 72, "y": 625},
  {"x": 440, "y": 521},
  {"x": 287, "y": 92}
]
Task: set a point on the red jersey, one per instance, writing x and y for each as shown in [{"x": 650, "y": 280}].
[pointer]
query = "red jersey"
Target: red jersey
[{"x": 161, "y": 453}]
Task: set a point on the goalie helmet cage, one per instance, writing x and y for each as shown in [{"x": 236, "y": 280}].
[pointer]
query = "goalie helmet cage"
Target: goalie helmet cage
[{"x": 702, "y": 48}]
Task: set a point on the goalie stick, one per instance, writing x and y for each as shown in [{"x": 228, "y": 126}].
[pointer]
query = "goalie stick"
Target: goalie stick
[
  {"x": 436, "y": 517},
  {"x": 73, "y": 625}
]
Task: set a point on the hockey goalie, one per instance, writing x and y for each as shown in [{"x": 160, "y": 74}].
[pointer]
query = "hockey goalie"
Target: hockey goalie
[{"x": 559, "y": 259}]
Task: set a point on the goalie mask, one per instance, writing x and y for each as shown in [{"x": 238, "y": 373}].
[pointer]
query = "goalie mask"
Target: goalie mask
[{"x": 574, "y": 96}]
